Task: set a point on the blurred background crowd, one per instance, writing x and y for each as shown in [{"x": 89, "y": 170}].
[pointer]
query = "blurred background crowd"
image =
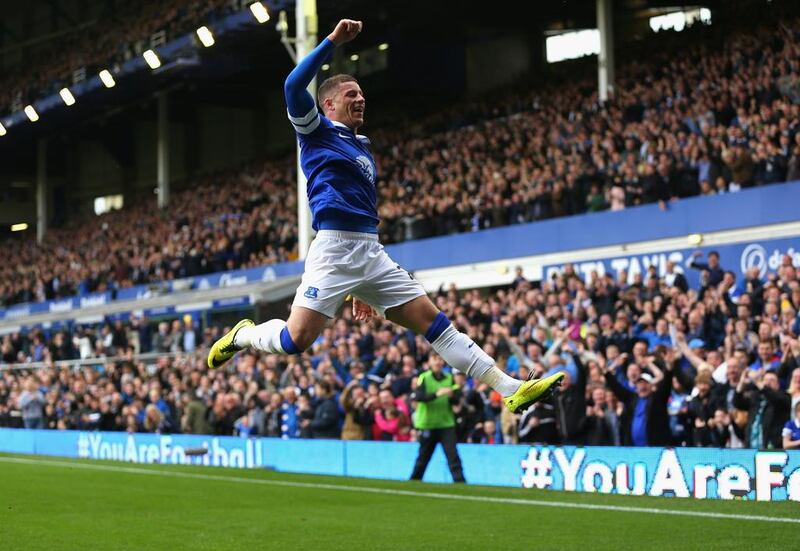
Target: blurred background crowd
[
  {"x": 706, "y": 111},
  {"x": 649, "y": 360}
]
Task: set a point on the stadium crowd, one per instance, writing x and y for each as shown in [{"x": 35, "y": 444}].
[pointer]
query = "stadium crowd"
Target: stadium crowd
[
  {"x": 649, "y": 361},
  {"x": 123, "y": 30},
  {"x": 693, "y": 119},
  {"x": 142, "y": 244},
  {"x": 700, "y": 122}
]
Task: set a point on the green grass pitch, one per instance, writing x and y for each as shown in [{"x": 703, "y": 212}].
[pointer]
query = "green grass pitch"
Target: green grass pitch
[{"x": 54, "y": 503}]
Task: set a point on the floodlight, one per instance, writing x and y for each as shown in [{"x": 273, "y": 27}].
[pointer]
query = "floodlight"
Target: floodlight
[
  {"x": 152, "y": 59},
  {"x": 259, "y": 12},
  {"x": 108, "y": 80},
  {"x": 67, "y": 96},
  {"x": 31, "y": 112},
  {"x": 205, "y": 36}
]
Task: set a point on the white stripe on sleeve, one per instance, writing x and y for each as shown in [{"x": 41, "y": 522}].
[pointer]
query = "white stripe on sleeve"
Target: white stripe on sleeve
[
  {"x": 303, "y": 121},
  {"x": 306, "y": 124},
  {"x": 307, "y": 129}
]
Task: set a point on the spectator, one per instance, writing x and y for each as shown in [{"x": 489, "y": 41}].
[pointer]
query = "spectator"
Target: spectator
[
  {"x": 305, "y": 414},
  {"x": 486, "y": 433},
  {"x": 712, "y": 272},
  {"x": 155, "y": 420},
  {"x": 794, "y": 387},
  {"x": 325, "y": 423},
  {"x": 570, "y": 404},
  {"x": 538, "y": 424},
  {"x": 271, "y": 416},
  {"x": 791, "y": 431},
  {"x": 702, "y": 411},
  {"x": 31, "y": 402},
  {"x": 226, "y": 411},
  {"x": 195, "y": 417},
  {"x": 768, "y": 407},
  {"x": 601, "y": 423},
  {"x": 353, "y": 401},
  {"x": 163, "y": 339},
  {"x": 673, "y": 278},
  {"x": 644, "y": 422},
  {"x": 766, "y": 357},
  {"x": 189, "y": 337},
  {"x": 724, "y": 392}
]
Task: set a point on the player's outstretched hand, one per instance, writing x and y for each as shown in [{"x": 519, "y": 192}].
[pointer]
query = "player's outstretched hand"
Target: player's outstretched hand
[
  {"x": 362, "y": 311},
  {"x": 345, "y": 31}
]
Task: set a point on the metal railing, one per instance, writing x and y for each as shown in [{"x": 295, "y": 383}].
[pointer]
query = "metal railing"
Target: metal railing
[
  {"x": 77, "y": 364},
  {"x": 201, "y": 299}
]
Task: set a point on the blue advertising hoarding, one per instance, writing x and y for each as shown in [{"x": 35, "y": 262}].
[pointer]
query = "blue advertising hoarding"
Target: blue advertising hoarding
[
  {"x": 764, "y": 254},
  {"x": 703, "y": 473},
  {"x": 216, "y": 280}
]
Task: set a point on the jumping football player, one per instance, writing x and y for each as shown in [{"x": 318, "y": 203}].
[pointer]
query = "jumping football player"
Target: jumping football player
[{"x": 346, "y": 258}]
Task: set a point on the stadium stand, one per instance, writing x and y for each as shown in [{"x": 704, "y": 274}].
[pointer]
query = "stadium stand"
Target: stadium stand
[
  {"x": 687, "y": 122},
  {"x": 705, "y": 359},
  {"x": 140, "y": 244},
  {"x": 683, "y": 124},
  {"x": 691, "y": 120}
]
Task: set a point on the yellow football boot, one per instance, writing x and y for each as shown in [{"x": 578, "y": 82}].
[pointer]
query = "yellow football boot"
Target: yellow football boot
[
  {"x": 224, "y": 349},
  {"x": 533, "y": 391}
]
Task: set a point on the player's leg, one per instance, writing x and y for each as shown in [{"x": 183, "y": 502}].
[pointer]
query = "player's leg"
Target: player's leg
[
  {"x": 277, "y": 336},
  {"x": 457, "y": 349},
  {"x": 462, "y": 353},
  {"x": 395, "y": 294},
  {"x": 328, "y": 278},
  {"x": 427, "y": 445}
]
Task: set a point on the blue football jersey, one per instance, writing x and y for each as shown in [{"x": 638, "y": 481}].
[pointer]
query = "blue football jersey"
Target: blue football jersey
[
  {"x": 341, "y": 174},
  {"x": 791, "y": 429}
]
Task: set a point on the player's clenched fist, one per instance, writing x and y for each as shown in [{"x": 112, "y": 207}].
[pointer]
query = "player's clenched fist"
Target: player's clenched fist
[{"x": 345, "y": 31}]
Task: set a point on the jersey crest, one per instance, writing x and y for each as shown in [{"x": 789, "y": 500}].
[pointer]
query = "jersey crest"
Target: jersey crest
[{"x": 366, "y": 167}]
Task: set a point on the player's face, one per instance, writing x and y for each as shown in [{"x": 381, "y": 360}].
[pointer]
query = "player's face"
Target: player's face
[{"x": 348, "y": 105}]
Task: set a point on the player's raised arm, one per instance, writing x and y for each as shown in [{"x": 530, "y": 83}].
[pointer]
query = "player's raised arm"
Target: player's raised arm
[{"x": 302, "y": 107}]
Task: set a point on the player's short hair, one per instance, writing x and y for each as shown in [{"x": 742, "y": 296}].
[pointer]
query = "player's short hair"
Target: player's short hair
[{"x": 330, "y": 84}]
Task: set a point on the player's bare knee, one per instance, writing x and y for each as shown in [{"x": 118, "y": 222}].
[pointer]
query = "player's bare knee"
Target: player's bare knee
[{"x": 304, "y": 327}]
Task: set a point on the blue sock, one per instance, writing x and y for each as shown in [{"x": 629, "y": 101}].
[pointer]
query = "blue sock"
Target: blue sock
[
  {"x": 287, "y": 343},
  {"x": 440, "y": 323}
]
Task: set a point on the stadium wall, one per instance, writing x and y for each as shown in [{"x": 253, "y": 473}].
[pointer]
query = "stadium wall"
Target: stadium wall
[
  {"x": 699, "y": 215},
  {"x": 703, "y": 473}
]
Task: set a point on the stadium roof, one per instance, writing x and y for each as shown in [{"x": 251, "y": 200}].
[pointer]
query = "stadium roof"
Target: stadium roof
[{"x": 248, "y": 48}]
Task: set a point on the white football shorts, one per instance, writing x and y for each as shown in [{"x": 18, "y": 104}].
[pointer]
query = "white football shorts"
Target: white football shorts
[{"x": 341, "y": 263}]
